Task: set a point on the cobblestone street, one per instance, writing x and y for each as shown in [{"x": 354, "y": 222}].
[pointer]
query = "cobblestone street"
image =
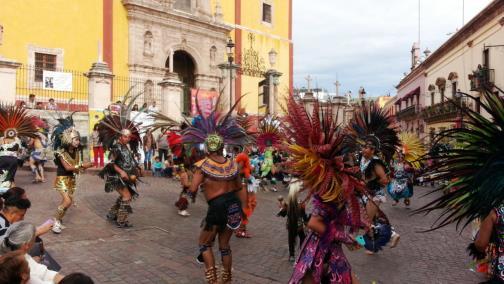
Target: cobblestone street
[{"x": 161, "y": 247}]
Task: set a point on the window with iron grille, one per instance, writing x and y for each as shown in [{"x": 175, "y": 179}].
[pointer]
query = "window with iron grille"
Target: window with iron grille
[
  {"x": 44, "y": 62},
  {"x": 266, "y": 13}
]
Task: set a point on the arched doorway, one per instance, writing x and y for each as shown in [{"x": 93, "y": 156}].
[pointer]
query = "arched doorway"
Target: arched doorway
[{"x": 184, "y": 65}]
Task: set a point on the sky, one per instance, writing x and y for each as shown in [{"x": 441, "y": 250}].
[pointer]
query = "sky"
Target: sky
[{"x": 367, "y": 42}]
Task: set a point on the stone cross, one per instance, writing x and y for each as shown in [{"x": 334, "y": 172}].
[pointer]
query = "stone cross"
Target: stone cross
[
  {"x": 348, "y": 97},
  {"x": 337, "y": 84},
  {"x": 308, "y": 82}
]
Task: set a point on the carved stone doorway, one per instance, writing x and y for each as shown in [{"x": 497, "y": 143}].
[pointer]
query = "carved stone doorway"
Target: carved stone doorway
[{"x": 185, "y": 66}]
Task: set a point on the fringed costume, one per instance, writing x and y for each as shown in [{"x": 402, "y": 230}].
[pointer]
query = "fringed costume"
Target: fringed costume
[
  {"x": 373, "y": 133},
  {"x": 67, "y": 150},
  {"x": 317, "y": 155},
  {"x": 14, "y": 123},
  {"x": 216, "y": 172},
  {"x": 475, "y": 167},
  {"x": 121, "y": 136}
]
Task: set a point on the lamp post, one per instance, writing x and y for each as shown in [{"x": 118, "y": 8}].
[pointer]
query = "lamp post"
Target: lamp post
[{"x": 229, "y": 47}]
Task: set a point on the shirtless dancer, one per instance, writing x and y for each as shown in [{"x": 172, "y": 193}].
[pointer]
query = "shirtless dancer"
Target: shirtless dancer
[{"x": 226, "y": 196}]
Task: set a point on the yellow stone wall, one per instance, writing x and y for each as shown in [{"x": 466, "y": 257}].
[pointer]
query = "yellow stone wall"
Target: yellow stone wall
[
  {"x": 267, "y": 37},
  {"x": 76, "y": 27}
]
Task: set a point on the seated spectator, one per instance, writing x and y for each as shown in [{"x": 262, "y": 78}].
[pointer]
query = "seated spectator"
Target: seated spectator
[
  {"x": 76, "y": 278},
  {"x": 31, "y": 101},
  {"x": 51, "y": 105},
  {"x": 168, "y": 168},
  {"x": 14, "y": 268},
  {"x": 22, "y": 104},
  {"x": 39, "y": 105},
  {"x": 20, "y": 237},
  {"x": 13, "y": 206},
  {"x": 157, "y": 167}
]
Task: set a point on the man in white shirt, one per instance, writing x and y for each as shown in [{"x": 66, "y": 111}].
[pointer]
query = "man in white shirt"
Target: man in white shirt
[{"x": 153, "y": 107}]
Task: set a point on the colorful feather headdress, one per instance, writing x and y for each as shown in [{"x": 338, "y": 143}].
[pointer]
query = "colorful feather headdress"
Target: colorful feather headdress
[
  {"x": 14, "y": 121},
  {"x": 269, "y": 134},
  {"x": 474, "y": 168},
  {"x": 412, "y": 148},
  {"x": 215, "y": 130},
  {"x": 315, "y": 146},
  {"x": 371, "y": 122},
  {"x": 64, "y": 132},
  {"x": 118, "y": 123}
]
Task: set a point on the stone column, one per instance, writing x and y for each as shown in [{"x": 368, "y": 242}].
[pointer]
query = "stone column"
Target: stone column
[
  {"x": 228, "y": 88},
  {"x": 172, "y": 90},
  {"x": 273, "y": 78},
  {"x": 100, "y": 86},
  {"x": 8, "y": 79}
]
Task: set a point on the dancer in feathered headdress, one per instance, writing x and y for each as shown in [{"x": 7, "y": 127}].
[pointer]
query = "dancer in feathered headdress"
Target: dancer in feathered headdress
[
  {"x": 403, "y": 168},
  {"x": 15, "y": 123},
  {"x": 68, "y": 160},
  {"x": 372, "y": 133},
  {"x": 222, "y": 184},
  {"x": 317, "y": 153},
  {"x": 121, "y": 136},
  {"x": 476, "y": 168},
  {"x": 38, "y": 149}
]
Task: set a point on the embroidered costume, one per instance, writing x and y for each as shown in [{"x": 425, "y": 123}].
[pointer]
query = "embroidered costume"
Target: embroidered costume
[
  {"x": 225, "y": 210},
  {"x": 113, "y": 129},
  {"x": 14, "y": 123},
  {"x": 317, "y": 155},
  {"x": 373, "y": 128}
]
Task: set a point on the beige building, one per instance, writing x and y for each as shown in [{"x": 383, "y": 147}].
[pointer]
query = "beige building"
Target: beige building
[{"x": 477, "y": 48}]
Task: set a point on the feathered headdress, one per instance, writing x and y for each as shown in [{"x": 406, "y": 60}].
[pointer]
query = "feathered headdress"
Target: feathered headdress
[
  {"x": 216, "y": 130},
  {"x": 475, "y": 167},
  {"x": 14, "y": 121},
  {"x": 370, "y": 123},
  {"x": 412, "y": 148},
  {"x": 64, "y": 132},
  {"x": 116, "y": 124},
  {"x": 269, "y": 134},
  {"x": 316, "y": 148}
]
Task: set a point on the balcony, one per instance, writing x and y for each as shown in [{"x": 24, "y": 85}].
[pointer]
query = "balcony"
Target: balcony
[
  {"x": 440, "y": 112},
  {"x": 482, "y": 77},
  {"x": 407, "y": 114}
]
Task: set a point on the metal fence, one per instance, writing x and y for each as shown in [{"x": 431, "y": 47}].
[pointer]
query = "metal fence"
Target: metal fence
[
  {"x": 68, "y": 89},
  {"x": 148, "y": 90}
]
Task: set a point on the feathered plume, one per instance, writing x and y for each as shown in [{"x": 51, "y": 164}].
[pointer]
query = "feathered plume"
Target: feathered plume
[
  {"x": 370, "y": 120},
  {"x": 16, "y": 117},
  {"x": 269, "y": 133},
  {"x": 317, "y": 155},
  {"x": 412, "y": 148},
  {"x": 111, "y": 126},
  {"x": 64, "y": 124},
  {"x": 222, "y": 124},
  {"x": 475, "y": 167}
]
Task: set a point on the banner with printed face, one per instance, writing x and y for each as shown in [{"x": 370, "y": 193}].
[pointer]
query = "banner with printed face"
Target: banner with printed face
[
  {"x": 206, "y": 100},
  {"x": 57, "y": 81}
]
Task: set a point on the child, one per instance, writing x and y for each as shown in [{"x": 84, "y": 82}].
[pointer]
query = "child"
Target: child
[
  {"x": 296, "y": 216},
  {"x": 185, "y": 180},
  {"x": 168, "y": 169},
  {"x": 158, "y": 167}
]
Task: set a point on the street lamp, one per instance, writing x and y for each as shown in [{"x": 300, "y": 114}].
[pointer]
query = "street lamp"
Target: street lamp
[
  {"x": 272, "y": 57},
  {"x": 229, "y": 47}
]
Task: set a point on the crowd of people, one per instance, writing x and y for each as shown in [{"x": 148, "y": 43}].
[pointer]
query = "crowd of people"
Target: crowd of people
[{"x": 347, "y": 173}]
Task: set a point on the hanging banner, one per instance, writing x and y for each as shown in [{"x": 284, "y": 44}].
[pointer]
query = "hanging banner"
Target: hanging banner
[
  {"x": 206, "y": 100},
  {"x": 57, "y": 81}
]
